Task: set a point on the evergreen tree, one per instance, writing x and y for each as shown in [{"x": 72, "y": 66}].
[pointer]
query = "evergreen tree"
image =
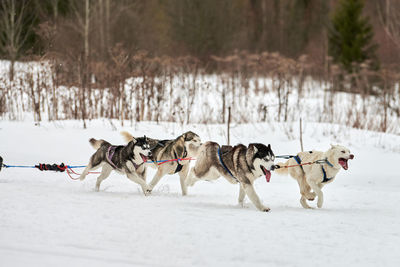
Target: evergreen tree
[{"x": 350, "y": 35}]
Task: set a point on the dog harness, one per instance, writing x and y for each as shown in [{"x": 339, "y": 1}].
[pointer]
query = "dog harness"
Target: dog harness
[
  {"x": 298, "y": 160},
  {"x": 223, "y": 164},
  {"x": 110, "y": 154},
  {"x": 179, "y": 166},
  {"x": 326, "y": 179}
]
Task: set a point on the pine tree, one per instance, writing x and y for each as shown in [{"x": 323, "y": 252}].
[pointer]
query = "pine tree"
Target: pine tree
[{"x": 350, "y": 36}]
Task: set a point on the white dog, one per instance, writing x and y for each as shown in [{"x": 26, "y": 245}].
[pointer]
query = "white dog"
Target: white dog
[{"x": 315, "y": 176}]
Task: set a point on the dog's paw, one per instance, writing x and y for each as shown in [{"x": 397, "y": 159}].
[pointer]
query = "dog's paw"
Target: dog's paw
[
  {"x": 147, "y": 192},
  {"x": 304, "y": 204},
  {"x": 265, "y": 209},
  {"x": 242, "y": 205},
  {"x": 311, "y": 196}
]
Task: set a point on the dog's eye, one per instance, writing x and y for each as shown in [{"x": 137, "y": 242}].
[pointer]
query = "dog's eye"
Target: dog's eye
[{"x": 343, "y": 151}]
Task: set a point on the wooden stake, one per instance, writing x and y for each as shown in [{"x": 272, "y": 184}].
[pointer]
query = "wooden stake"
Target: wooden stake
[
  {"x": 228, "y": 124},
  {"x": 301, "y": 136}
]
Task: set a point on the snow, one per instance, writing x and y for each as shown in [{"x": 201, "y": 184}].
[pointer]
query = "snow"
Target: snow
[{"x": 47, "y": 219}]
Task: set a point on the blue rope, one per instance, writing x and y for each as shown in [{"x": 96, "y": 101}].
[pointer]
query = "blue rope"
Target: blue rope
[
  {"x": 157, "y": 161},
  {"x": 284, "y": 156},
  {"x": 17, "y": 166}
]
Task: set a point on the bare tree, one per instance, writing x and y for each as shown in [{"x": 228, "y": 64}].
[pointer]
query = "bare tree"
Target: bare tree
[
  {"x": 389, "y": 15},
  {"x": 14, "y": 34}
]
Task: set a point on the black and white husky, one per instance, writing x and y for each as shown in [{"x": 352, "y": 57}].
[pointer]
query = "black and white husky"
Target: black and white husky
[
  {"x": 238, "y": 164},
  {"x": 184, "y": 146},
  {"x": 129, "y": 159}
]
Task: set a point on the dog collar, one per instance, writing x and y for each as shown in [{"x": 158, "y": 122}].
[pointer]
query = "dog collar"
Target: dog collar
[{"x": 327, "y": 162}]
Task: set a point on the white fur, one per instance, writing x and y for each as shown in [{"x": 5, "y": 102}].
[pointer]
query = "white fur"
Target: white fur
[{"x": 312, "y": 176}]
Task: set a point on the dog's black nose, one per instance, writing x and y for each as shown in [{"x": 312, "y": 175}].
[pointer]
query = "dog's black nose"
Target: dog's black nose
[
  {"x": 351, "y": 156},
  {"x": 274, "y": 167}
]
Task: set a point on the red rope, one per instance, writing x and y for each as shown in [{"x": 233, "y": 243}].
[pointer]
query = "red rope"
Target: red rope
[
  {"x": 307, "y": 163},
  {"x": 178, "y": 159},
  {"x": 69, "y": 171}
]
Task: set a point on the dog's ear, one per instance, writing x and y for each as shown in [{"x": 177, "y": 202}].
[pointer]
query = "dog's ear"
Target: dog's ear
[
  {"x": 186, "y": 136},
  {"x": 333, "y": 146},
  {"x": 269, "y": 147},
  {"x": 253, "y": 149}
]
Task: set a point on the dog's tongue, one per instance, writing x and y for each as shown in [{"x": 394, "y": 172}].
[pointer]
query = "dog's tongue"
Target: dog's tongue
[
  {"x": 343, "y": 162},
  {"x": 144, "y": 158},
  {"x": 267, "y": 175}
]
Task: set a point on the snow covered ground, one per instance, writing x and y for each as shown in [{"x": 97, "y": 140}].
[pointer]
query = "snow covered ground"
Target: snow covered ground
[{"x": 47, "y": 219}]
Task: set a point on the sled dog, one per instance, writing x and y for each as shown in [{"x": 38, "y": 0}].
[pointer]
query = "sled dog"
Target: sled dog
[
  {"x": 238, "y": 164},
  {"x": 129, "y": 159},
  {"x": 184, "y": 146},
  {"x": 317, "y": 175}
]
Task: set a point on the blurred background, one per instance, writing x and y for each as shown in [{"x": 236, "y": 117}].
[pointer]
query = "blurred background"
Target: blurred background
[{"x": 122, "y": 59}]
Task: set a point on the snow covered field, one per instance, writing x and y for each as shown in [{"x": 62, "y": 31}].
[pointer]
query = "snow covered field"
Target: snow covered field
[{"x": 47, "y": 219}]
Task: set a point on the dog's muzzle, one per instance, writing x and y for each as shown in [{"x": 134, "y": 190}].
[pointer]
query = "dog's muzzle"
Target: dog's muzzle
[{"x": 274, "y": 167}]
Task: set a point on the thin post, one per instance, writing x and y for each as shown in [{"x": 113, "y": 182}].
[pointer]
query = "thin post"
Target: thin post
[
  {"x": 228, "y": 124},
  {"x": 301, "y": 136}
]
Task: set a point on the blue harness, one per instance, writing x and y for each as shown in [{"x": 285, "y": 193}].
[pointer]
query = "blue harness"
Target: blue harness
[
  {"x": 326, "y": 179},
  {"x": 223, "y": 165}
]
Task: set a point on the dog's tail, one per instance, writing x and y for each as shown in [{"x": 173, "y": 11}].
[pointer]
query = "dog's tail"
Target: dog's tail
[
  {"x": 283, "y": 170},
  {"x": 127, "y": 136},
  {"x": 95, "y": 143}
]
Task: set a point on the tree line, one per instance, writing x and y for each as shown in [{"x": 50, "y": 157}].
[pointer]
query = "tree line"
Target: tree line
[
  {"x": 91, "y": 29},
  {"x": 91, "y": 48}
]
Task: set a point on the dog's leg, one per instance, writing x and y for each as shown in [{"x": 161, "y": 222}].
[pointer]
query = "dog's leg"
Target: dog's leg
[
  {"x": 135, "y": 178},
  {"x": 105, "y": 172},
  {"x": 251, "y": 193},
  {"x": 242, "y": 195},
  {"x": 304, "y": 190},
  {"x": 307, "y": 191},
  {"x": 191, "y": 178},
  {"x": 156, "y": 178},
  {"x": 182, "y": 175},
  {"x": 303, "y": 202},
  {"x": 144, "y": 175},
  {"x": 319, "y": 193},
  {"x": 85, "y": 172},
  {"x": 88, "y": 168}
]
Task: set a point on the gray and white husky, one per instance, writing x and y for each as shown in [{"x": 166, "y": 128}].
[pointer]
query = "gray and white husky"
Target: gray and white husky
[
  {"x": 129, "y": 159},
  {"x": 184, "y": 146},
  {"x": 238, "y": 164}
]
